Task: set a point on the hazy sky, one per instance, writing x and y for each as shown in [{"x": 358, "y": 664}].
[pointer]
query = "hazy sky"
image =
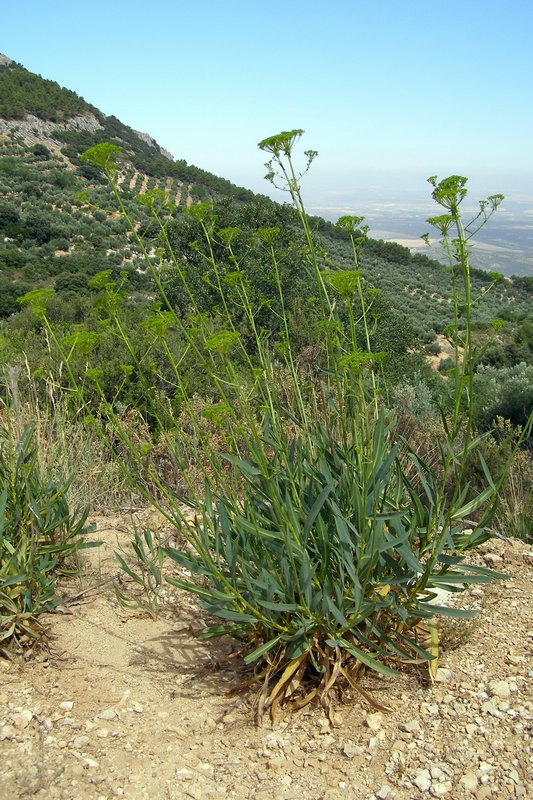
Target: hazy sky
[{"x": 388, "y": 92}]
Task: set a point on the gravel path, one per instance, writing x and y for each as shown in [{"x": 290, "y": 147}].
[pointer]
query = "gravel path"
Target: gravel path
[{"x": 124, "y": 706}]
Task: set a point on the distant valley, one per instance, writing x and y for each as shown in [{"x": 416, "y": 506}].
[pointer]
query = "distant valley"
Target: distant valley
[{"x": 505, "y": 245}]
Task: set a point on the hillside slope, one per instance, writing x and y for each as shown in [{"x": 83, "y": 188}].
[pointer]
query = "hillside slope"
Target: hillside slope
[{"x": 49, "y": 236}]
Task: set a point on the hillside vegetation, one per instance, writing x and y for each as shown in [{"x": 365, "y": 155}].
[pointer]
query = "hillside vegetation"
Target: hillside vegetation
[
  {"x": 61, "y": 227},
  {"x": 269, "y": 382}
]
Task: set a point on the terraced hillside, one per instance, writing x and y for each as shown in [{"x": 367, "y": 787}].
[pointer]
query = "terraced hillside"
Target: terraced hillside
[{"x": 50, "y": 235}]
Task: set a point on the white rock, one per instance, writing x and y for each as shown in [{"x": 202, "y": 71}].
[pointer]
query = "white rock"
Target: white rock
[
  {"x": 7, "y": 732},
  {"x": 469, "y": 781},
  {"x": 499, "y": 689},
  {"x": 383, "y": 793},
  {"x": 374, "y": 721},
  {"x": 90, "y": 762},
  {"x": 437, "y": 774},
  {"x": 21, "y": 719},
  {"x": 80, "y": 741},
  {"x": 184, "y": 773},
  {"x": 67, "y": 705},
  {"x": 411, "y": 727},
  {"x": 441, "y": 789},
  {"x": 422, "y": 779},
  {"x": 443, "y": 675},
  {"x": 108, "y": 714},
  {"x": 351, "y": 750}
]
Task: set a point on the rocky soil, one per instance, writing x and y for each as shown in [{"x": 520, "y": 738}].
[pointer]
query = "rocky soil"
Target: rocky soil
[{"x": 125, "y": 706}]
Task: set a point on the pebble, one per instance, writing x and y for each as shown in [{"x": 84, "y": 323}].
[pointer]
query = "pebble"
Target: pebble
[
  {"x": 7, "y": 732},
  {"x": 469, "y": 781},
  {"x": 21, "y": 719},
  {"x": 80, "y": 741},
  {"x": 411, "y": 727},
  {"x": 107, "y": 714},
  {"x": 351, "y": 750},
  {"x": 384, "y": 793},
  {"x": 422, "y": 779},
  {"x": 441, "y": 789},
  {"x": 443, "y": 675},
  {"x": 374, "y": 721},
  {"x": 499, "y": 689}
]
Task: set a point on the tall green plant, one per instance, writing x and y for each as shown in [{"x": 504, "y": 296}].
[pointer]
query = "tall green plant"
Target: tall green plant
[
  {"x": 314, "y": 547},
  {"x": 39, "y": 535}
]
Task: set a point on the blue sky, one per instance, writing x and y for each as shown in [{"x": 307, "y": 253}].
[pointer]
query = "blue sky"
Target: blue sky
[{"x": 387, "y": 92}]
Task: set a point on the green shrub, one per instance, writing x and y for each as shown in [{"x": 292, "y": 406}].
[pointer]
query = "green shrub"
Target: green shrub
[
  {"x": 506, "y": 392},
  {"x": 39, "y": 536}
]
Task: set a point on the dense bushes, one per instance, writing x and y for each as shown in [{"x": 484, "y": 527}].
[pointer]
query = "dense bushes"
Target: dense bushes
[{"x": 505, "y": 392}]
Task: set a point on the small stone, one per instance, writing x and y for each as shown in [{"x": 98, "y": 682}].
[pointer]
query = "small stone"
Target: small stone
[
  {"x": 184, "y": 773},
  {"x": 441, "y": 789},
  {"x": 443, "y": 675},
  {"x": 137, "y": 707},
  {"x": 374, "y": 721},
  {"x": 469, "y": 781},
  {"x": 411, "y": 727},
  {"x": 483, "y": 793},
  {"x": 67, "y": 705},
  {"x": 196, "y": 626},
  {"x": 21, "y": 719},
  {"x": 493, "y": 558},
  {"x": 351, "y": 750},
  {"x": 107, "y": 714},
  {"x": 398, "y": 746},
  {"x": 7, "y": 732},
  {"x": 277, "y": 763},
  {"x": 436, "y": 773},
  {"x": 383, "y": 793},
  {"x": 80, "y": 741},
  {"x": 499, "y": 689},
  {"x": 422, "y": 779},
  {"x": 90, "y": 762},
  {"x": 286, "y": 780}
]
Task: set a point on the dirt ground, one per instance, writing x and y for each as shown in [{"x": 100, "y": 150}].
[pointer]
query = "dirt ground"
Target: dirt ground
[{"x": 125, "y": 706}]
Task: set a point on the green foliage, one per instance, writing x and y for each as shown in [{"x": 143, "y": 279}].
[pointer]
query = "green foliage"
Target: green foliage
[
  {"x": 23, "y": 92},
  {"x": 39, "y": 535},
  {"x": 505, "y": 392},
  {"x": 318, "y": 539},
  {"x": 145, "y": 570},
  {"x": 317, "y": 566},
  {"x": 414, "y": 399}
]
